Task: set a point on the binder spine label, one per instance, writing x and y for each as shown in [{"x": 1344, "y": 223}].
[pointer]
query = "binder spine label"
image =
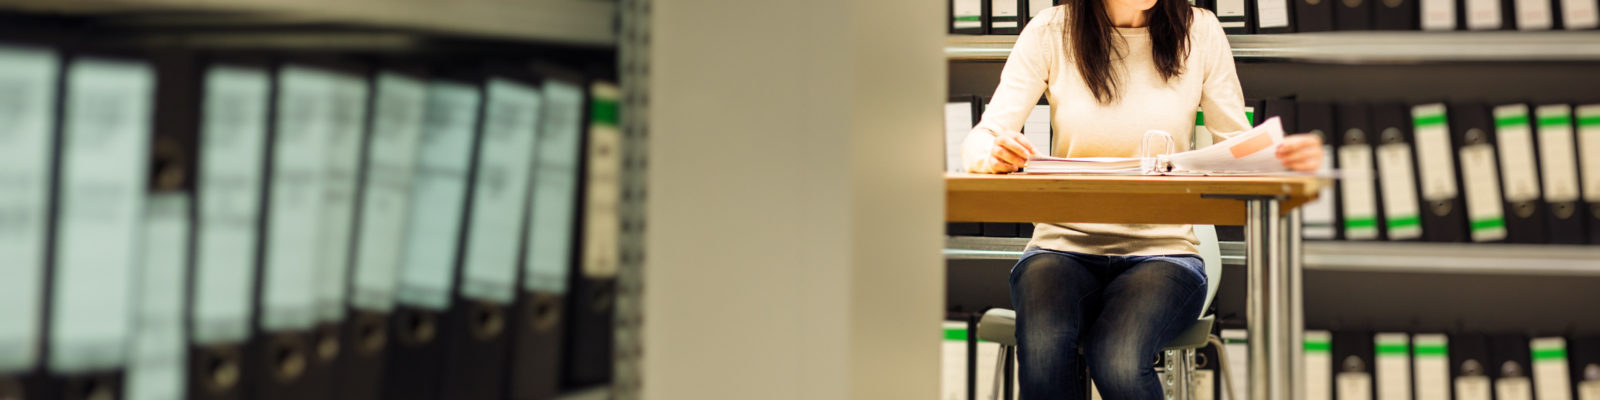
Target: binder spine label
[
  {"x": 1483, "y": 14},
  {"x": 1358, "y": 194},
  {"x": 1434, "y": 152},
  {"x": 1231, "y": 13},
  {"x": 1579, "y": 14},
  {"x": 1393, "y": 366},
  {"x": 1438, "y": 15},
  {"x": 304, "y": 124},
  {"x": 1473, "y": 388},
  {"x": 348, "y": 110},
  {"x": 1354, "y": 386},
  {"x": 1550, "y": 376},
  {"x": 969, "y": 14},
  {"x": 1205, "y": 383},
  {"x": 1272, "y": 13},
  {"x": 957, "y": 124},
  {"x": 1402, "y": 219},
  {"x": 1319, "y": 365},
  {"x": 1533, "y": 15},
  {"x": 27, "y": 94},
  {"x": 1485, "y": 211},
  {"x": 104, "y": 153},
  {"x": 549, "y": 248},
  {"x": 1432, "y": 358},
  {"x": 1319, "y": 215},
  {"x": 602, "y": 222},
  {"x": 954, "y": 383},
  {"x": 1558, "y": 162},
  {"x": 1514, "y": 137},
  {"x": 1513, "y": 388},
  {"x": 386, "y": 200},
  {"x": 1589, "y": 390},
  {"x": 1589, "y": 150},
  {"x": 233, "y": 143},
  {"x": 1004, "y": 14},
  {"x": 438, "y": 194},
  {"x": 501, "y": 189},
  {"x": 1237, "y": 343},
  {"x": 157, "y": 364}
]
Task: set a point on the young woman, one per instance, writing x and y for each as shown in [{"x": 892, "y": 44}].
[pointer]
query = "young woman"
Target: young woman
[{"x": 1112, "y": 69}]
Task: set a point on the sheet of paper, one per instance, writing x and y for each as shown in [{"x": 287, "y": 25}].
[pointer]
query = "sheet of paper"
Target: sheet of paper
[{"x": 1254, "y": 151}]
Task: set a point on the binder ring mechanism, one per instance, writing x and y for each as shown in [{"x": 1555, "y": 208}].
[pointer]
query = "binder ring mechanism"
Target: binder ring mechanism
[{"x": 1156, "y": 163}]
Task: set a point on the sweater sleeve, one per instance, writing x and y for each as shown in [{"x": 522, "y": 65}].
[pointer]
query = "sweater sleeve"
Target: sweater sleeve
[
  {"x": 1221, "y": 98},
  {"x": 1022, "y": 81}
]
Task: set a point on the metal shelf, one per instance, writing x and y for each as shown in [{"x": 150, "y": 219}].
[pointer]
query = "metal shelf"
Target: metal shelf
[
  {"x": 570, "y": 22},
  {"x": 1390, "y": 257},
  {"x": 1361, "y": 47}
]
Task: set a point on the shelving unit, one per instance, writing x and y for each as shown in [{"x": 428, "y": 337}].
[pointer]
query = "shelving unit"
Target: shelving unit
[{"x": 1361, "y": 47}]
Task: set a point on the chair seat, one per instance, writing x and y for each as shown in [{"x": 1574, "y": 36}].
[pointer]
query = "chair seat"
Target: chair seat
[{"x": 999, "y": 325}]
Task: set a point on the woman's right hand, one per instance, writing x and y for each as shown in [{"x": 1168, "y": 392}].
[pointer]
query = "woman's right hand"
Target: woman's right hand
[{"x": 1008, "y": 153}]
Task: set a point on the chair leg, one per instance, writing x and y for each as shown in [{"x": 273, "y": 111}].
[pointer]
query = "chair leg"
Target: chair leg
[
  {"x": 999, "y": 373},
  {"x": 1180, "y": 374}
]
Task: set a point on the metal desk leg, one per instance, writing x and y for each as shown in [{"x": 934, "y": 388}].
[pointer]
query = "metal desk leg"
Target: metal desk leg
[
  {"x": 1264, "y": 256},
  {"x": 1294, "y": 284}
]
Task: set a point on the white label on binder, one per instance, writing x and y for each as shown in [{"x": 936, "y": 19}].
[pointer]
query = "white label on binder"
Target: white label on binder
[
  {"x": 1589, "y": 390},
  {"x": 157, "y": 367},
  {"x": 348, "y": 115},
  {"x": 1550, "y": 368},
  {"x": 438, "y": 195},
  {"x": 233, "y": 142},
  {"x": 1517, "y": 388},
  {"x": 1319, "y": 214},
  {"x": 1434, "y": 152},
  {"x": 1272, "y": 13},
  {"x": 1579, "y": 14},
  {"x": 27, "y": 97},
  {"x": 1358, "y": 192},
  {"x": 1473, "y": 388},
  {"x": 1589, "y": 150},
  {"x": 1485, "y": 211},
  {"x": 1533, "y": 15},
  {"x": 1318, "y": 365},
  {"x": 1558, "y": 163},
  {"x": 386, "y": 198},
  {"x": 602, "y": 224},
  {"x": 1438, "y": 15},
  {"x": 1204, "y": 386},
  {"x": 1432, "y": 367},
  {"x": 1399, "y": 190},
  {"x": 303, "y": 125},
  {"x": 104, "y": 155},
  {"x": 1231, "y": 13},
  {"x": 1514, "y": 137},
  {"x": 969, "y": 13},
  {"x": 500, "y": 199},
  {"x": 957, "y": 124},
  {"x": 1003, "y": 9},
  {"x": 954, "y": 366},
  {"x": 1237, "y": 343},
  {"x": 1037, "y": 128},
  {"x": 1393, "y": 366},
  {"x": 1483, "y": 14},
  {"x": 1355, "y": 386},
  {"x": 1037, "y": 6},
  {"x": 555, "y": 188}
]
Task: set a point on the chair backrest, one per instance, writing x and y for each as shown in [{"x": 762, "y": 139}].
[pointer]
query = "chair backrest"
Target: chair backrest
[{"x": 1211, "y": 253}]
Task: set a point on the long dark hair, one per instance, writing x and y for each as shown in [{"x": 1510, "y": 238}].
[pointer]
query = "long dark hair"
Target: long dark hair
[{"x": 1093, "y": 40}]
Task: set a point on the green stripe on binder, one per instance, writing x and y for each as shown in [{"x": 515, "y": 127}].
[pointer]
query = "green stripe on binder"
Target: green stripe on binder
[
  {"x": 972, "y": 18},
  {"x": 1250, "y": 116},
  {"x": 1488, "y": 223},
  {"x": 1550, "y": 354},
  {"x": 604, "y": 111},
  {"x": 1511, "y": 120},
  {"x": 1235, "y": 341},
  {"x": 1432, "y": 350},
  {"x": 1429, "y": 120},
  {"x": 955, "y": 334},
  {"x": 1551, "y": 120},
  {"x": 1588, "y": 120},
  {"x": 1358, "y": 223},
  {"x": 1199, "y": 118},
  {"x": 1392, "y": 349},
  {"x": 1318, "y": 347},
  {"x": 1405, "y": 221}
]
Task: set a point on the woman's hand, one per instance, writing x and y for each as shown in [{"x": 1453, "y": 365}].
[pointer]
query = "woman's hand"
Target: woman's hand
[
  {"x": 1301, "y": 152},
  {"x": 1009, "y": 152}
]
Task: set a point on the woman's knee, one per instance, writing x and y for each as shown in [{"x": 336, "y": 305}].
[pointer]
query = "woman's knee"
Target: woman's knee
[{"x": 1120, "y": 369}]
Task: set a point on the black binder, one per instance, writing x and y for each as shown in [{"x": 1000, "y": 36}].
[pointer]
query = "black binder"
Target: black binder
[
  {"x": 236, "y": 117},
  {"x": 1000, "y": 229},
  {"x": 968, "y": 16},
  {"x": 159, "y": 341},
  {"x": 1478, "y": 171},
  {"x": 1353, "y": 15},
  {"x": 1443, "y": 210},
  {"x": 485, "y": 293},
  {"x": 1558, "y": 170},
  {"x": 1354, "y": 364},
  {"x": 1317, "y": 118},
  {"x": 1396, "y": 15},
  {"x": 587, "y": 361},
  {"x": 348, "y": 115},
  {"x": 964, "y": 228},
  {"x": 442, "y": 199},
  {"x": 1584, "y": 362},
  {"x": 1519, "y": 172},
  {"x": 539, "y": 320},
  {"x": 1397, "y": 178},
  {"x": 1471, "y": 366},
  {"x": 1005, "y": 17},
  {"x": 1578, "y": 15},
  {"x": 1361, "y": 211},
  {"x": 1313, "y": 15},
  {"x": 1234, "y": 16},
  {"x": 1588, "y": 121},
  {"x": 34, "y": 99},
  {"x": 1512, "y": 368}
]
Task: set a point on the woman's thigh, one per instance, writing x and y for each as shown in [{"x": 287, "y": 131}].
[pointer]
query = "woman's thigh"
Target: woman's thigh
[{"x": 1145, "y": 307}]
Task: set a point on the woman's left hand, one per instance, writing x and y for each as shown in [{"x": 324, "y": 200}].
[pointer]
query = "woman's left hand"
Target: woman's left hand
[{"x": 1301, "y": 152}]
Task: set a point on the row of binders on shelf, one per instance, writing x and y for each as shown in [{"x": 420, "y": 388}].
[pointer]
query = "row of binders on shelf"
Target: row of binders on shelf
[
  {"x": 1006, "y": 17},
  {"x": 207, "y": 225},
  {"x": 1457, "y": 172}
]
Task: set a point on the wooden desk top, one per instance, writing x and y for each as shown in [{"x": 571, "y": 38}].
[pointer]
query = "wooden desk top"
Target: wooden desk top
[{"x": 1117, "y": 198}]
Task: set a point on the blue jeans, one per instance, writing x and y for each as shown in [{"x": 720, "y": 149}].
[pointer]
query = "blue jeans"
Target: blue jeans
[{"x": 1121, "y": 309}]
